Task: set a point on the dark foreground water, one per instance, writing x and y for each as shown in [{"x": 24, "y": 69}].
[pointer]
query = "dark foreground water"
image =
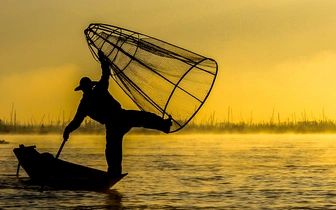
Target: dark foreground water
[{"x": 187, "y": 172}]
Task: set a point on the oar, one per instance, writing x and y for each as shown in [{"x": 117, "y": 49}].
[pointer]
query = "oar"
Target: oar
[
  {"x": 57, "y": 155},
  {"x": 60, "y": 149}
]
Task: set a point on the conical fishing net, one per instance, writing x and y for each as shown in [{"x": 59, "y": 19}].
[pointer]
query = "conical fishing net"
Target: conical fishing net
[{"x": 159, "y": 77}]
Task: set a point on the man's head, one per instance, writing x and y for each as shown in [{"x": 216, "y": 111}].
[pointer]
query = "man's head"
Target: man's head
[{"x": 85, "y": 84}]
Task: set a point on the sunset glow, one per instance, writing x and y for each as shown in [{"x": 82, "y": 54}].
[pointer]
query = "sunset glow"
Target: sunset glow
[{"x": 277, "y": 57}]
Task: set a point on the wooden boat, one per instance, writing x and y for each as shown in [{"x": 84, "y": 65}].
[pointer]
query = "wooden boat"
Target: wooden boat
[{"x": 44, "y": 169}]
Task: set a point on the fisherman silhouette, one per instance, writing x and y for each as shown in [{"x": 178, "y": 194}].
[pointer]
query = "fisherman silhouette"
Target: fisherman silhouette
[{"x": 98, "y": 104}]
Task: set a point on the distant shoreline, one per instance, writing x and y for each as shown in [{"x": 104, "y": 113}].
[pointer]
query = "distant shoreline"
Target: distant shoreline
[{"x": 91, "y": 127}]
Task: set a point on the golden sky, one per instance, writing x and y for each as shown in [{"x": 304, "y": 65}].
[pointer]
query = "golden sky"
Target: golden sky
[{"x": 272, "y": 55}]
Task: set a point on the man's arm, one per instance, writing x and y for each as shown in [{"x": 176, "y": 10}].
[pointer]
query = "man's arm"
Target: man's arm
[
  {"x": 75, "y": 123},
  {"x": 106, "y": 72}
]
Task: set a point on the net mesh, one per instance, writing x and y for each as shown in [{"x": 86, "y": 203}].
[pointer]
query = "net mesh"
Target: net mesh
[{"x": 159, "y": 77}]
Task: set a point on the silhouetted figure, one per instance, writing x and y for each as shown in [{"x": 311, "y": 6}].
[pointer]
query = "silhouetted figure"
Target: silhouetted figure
[{"x": 98, "y": 104}]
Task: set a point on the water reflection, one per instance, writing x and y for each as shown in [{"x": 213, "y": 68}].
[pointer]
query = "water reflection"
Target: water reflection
[{"x": 113, "y": 200}]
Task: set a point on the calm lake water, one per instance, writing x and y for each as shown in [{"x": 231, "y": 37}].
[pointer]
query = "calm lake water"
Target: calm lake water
[{"x": 186, "y": 172}]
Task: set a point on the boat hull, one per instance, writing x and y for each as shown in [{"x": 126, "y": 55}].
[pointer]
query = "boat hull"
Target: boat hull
[{"x": 44, "y": 169}]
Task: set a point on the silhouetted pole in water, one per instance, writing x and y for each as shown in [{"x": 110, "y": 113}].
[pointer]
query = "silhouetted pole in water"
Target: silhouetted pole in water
[{"x": 60, "y": 149}]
